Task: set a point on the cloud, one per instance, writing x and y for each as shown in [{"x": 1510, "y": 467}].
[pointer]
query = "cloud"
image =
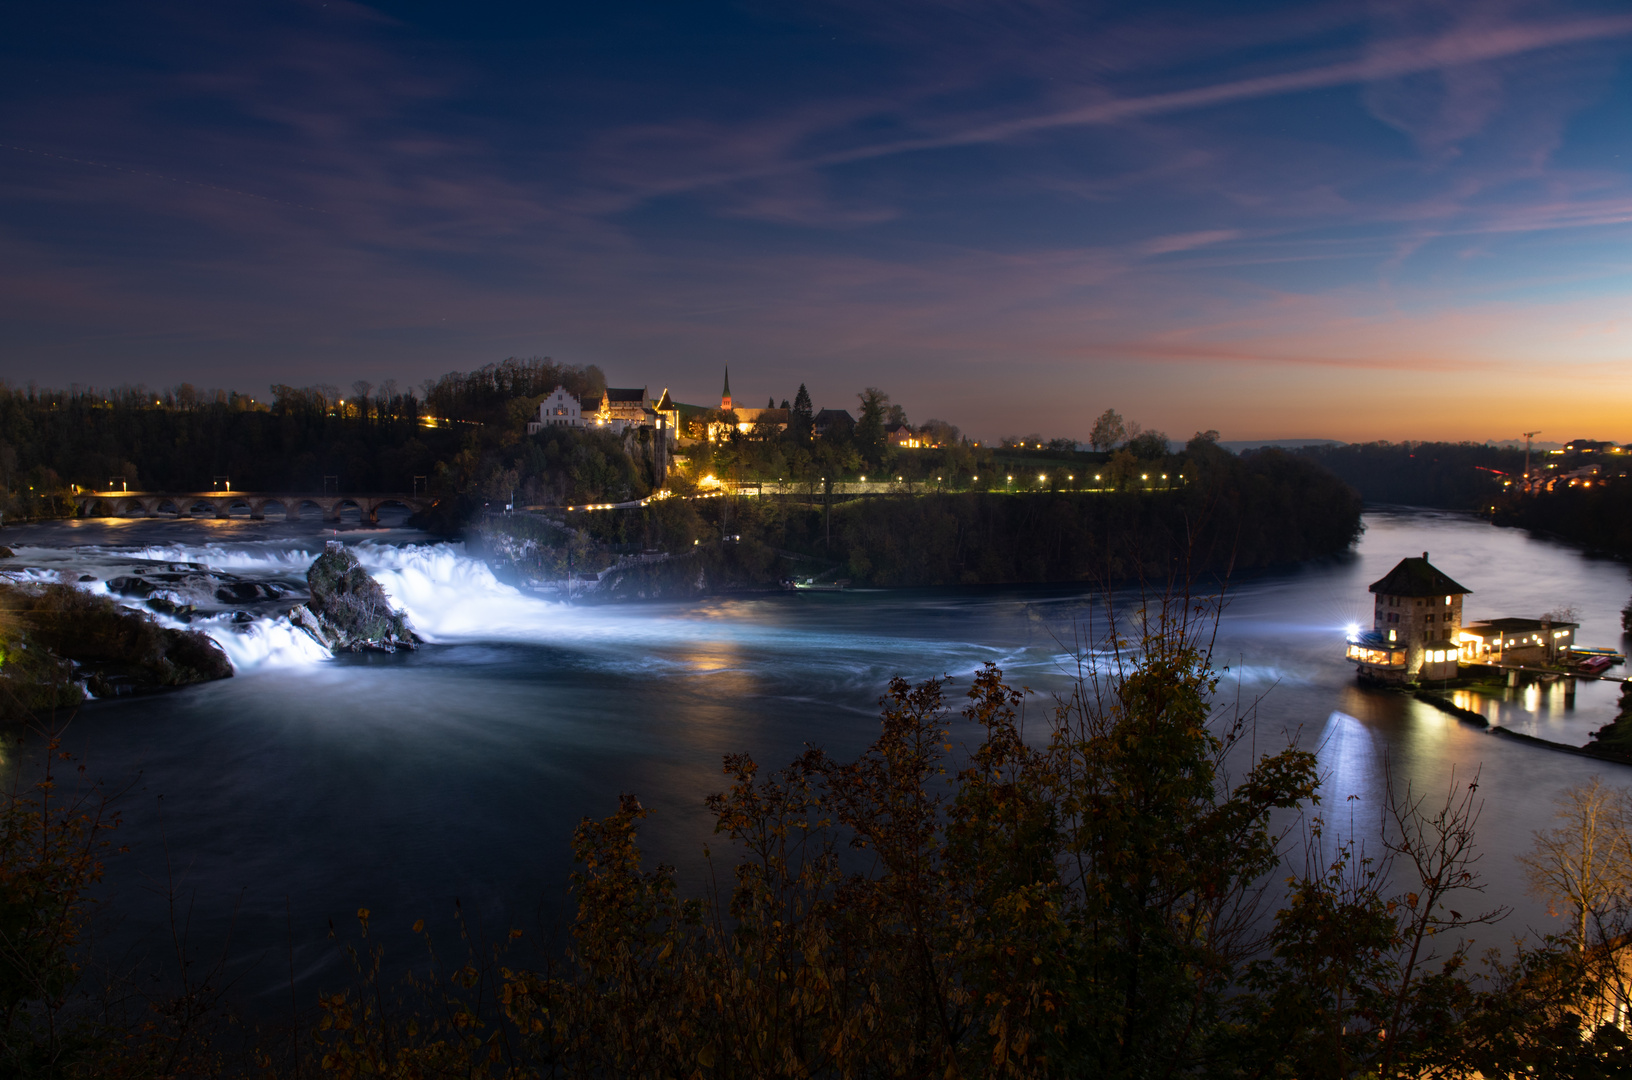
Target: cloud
[
  {"x": 1466, "y": 45},
  {"x": 1167, "y": 245}
]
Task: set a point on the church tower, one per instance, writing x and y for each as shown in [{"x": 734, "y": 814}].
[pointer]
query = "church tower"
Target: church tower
[{"x": 725, "y": 397}]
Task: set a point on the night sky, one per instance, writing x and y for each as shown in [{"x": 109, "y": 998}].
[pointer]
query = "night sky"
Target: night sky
[{"x": 1347, "y": 220}]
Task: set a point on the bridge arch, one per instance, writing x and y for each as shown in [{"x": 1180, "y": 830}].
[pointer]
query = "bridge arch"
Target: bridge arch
[{"x": 390, "y": 504}]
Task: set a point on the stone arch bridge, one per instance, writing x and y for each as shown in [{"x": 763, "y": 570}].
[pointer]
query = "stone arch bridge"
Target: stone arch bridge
[{"x": 222, "y": 504}]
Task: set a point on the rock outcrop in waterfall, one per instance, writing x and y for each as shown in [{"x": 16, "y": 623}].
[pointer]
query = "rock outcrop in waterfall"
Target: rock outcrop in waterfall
[{"x": 348, "y": 611}]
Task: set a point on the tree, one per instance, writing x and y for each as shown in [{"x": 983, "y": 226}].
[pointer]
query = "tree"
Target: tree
[
  {"x": 52, "y": 845},
  {"x": 1108, "y": 431},
  {"x": 869, "y": 435},
  {"x": 801, "y": 415},
  {"x": 1582, "y": 866},
  {"x": 940, "y": 432},
  {"x": 1075, "y": 905},
  {"x": 1148, "y": 445}
]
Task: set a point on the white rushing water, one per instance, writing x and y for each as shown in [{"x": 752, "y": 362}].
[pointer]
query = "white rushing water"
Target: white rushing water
[{"x": 449, "y": 597}]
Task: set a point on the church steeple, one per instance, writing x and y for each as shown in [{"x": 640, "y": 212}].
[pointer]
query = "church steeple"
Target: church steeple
[{"x": 725, "y": 396}]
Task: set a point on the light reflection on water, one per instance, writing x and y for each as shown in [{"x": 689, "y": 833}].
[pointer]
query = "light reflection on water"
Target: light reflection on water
[{"x": 400, "y": 783}]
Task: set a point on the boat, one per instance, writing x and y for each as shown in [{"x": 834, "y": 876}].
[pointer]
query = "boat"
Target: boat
[
  {"x": 1595, "y": 665},
  {"x": 1590, "y": 650},
  {"x": 822, "y": 586}
]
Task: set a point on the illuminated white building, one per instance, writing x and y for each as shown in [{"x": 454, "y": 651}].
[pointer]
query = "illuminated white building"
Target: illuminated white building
[{"x": 560, "y": 409}]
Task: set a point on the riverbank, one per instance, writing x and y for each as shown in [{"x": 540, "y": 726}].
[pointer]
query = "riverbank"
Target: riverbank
[{"x": 59, "y": 644}]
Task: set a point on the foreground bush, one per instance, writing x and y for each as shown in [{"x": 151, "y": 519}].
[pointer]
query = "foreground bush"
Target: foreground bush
[{"x": 1102, "y": 898}]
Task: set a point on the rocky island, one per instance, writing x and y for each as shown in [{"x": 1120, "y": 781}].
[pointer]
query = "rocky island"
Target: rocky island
[{"x": 348, "y": 611}]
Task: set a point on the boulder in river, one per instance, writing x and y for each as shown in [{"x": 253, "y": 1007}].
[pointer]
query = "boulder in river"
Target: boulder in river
[{"x": 348, "y": 611}]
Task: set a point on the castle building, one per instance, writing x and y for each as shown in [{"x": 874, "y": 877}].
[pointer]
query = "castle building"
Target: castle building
[
  {"x": 560, "y": 409},
  {"x": 624, "y": 409},
  {"x": 1416, "y": 627}
]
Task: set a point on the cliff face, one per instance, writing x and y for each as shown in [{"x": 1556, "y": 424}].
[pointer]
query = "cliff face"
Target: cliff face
[{"x": 348, "y": 611}]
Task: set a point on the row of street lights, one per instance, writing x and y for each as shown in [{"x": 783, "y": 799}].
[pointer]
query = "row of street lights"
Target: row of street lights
[{"x": 1042, "y": 478}]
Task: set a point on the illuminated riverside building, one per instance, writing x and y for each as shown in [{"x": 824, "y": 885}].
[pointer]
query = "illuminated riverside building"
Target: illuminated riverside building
[
  {"x": 1517, "y": 641},
  {"x": 1417, "y": 627}
]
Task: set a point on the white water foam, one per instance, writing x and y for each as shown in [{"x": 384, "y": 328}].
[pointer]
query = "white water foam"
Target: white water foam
[
  {"x": 275, "y": 558},
  {"x": 264, "y": 643},
  {"x": 450, "y": 598}
]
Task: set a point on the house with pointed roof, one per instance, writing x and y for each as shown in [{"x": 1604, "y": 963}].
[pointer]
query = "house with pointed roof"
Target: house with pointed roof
[
  {"x": 1416, "y": 626},
  {"x": 829, "y": 421},
  {"x": 559, "y": 409}
]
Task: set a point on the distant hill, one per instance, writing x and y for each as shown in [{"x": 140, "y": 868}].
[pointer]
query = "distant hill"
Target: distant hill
[{"x": 1238, "y": 445}]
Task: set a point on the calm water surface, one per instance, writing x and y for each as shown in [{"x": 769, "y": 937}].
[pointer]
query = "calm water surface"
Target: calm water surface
[{"x": 305, "y": 788}]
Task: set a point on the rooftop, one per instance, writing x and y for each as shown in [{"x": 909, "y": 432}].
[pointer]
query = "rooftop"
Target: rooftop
[
  {"x": 1417, "y": 577},
  {"x": 1517, "y": 626}
]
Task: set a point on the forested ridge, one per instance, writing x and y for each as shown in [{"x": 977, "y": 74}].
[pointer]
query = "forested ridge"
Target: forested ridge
[
  {"x": 1444, "y": 475},
  {"x": 1581, "y": 497},
  {"x": 1230, "y": 512}
]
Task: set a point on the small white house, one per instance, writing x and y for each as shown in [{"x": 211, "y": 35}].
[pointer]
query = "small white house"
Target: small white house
[{"x": 560, "y": 409}]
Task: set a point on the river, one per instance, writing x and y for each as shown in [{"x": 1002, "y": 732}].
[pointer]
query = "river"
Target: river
[{"x": 307, "y": 787}]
